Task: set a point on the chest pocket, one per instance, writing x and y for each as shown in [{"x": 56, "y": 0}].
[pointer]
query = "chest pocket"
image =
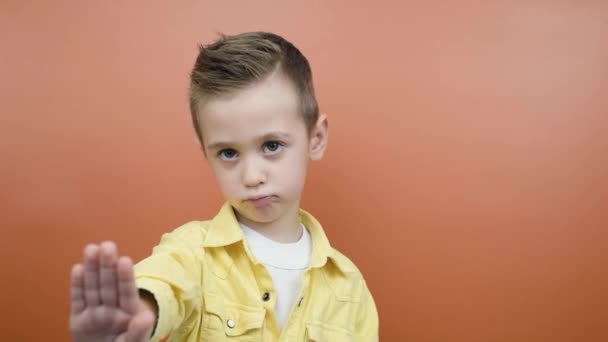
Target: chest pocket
[
  {"x": 225, "y": 321},
  {"x": 319, "y": 332}
]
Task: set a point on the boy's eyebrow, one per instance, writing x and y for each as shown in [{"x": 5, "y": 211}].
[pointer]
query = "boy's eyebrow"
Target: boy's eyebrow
[
  {"x": 275, "y": 135},
  {"x": 267, "y": 136},
  {"x": 217, "y": 145}
]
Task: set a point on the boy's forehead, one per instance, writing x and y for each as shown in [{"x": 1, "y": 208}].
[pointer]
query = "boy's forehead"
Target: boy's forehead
[
  {"x": 269, "y": 105},
  {"x": 274, "y": 93}
]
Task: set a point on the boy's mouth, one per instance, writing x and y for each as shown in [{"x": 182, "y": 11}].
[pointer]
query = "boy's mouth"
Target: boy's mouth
[{"x": 260, "y": 201}]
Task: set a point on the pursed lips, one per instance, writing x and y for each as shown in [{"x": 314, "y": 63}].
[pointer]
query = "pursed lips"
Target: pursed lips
[{"x": 260, "y": 201}]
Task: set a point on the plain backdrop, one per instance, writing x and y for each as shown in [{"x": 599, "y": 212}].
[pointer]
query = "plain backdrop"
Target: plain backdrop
[{"x": 467, "y": 171}]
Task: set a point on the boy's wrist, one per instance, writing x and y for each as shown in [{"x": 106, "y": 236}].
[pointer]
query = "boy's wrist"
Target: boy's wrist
[{"x": 147, "y": 301}]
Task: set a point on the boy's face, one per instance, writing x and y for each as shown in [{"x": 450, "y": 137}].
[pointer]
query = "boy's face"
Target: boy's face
[{"x": 258, "y": 147}]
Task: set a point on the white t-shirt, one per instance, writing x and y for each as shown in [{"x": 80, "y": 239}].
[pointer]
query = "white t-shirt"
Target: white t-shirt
[{"x": 285, "y": 262}]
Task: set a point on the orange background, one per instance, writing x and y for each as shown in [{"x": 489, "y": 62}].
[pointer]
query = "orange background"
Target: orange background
[{"x": 467, "y": 173}]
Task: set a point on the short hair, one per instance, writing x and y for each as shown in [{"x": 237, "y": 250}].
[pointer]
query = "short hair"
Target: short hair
[{"x": 234, "y": 62}]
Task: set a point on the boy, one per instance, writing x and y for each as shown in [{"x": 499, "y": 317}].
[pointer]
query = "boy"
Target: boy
[{"x": 262, "y": 269}]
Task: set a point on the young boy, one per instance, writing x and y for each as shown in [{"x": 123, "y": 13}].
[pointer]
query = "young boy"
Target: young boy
[{"x": 262, "y": 269}]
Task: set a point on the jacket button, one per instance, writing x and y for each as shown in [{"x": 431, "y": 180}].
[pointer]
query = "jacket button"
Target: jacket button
[
  {"x": 231, "y": 323},
  {"x": 266, "y": 296}
]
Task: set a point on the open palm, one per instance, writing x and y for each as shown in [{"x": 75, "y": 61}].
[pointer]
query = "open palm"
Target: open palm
[{"x": 105, "y": 303}]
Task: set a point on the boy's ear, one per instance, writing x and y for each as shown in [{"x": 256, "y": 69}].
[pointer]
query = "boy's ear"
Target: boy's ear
[{"x": 319, "y": 138}]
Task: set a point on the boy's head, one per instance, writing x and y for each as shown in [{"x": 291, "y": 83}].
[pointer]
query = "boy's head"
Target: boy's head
[
  {"x": 255, "y": 114},
  {"x": 236, "y": 62}
]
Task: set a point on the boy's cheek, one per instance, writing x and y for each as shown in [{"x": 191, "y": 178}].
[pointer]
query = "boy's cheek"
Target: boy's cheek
[{"x": 229, "y": 187}]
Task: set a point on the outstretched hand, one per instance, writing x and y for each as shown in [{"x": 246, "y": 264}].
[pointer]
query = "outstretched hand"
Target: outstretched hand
[{"x": 105, "y": 303}]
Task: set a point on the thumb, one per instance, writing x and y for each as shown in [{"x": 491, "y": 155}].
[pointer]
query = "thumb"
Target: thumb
[{"x": 140, "y": 327}]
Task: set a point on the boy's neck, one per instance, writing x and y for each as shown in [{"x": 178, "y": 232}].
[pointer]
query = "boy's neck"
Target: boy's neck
[{"x": 286, "y": 229}]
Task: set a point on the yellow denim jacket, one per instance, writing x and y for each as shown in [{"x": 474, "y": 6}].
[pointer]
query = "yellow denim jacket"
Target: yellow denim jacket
[{"x": 209, "y": 287}]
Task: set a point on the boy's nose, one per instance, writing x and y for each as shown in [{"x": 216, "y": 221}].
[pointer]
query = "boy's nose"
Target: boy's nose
[{"x": 253, "y": 174}]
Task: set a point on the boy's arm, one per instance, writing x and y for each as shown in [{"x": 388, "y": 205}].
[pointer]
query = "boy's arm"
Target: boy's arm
[
  {"x": 147, "y": 300},
  {"x": 169, "y": 282}
]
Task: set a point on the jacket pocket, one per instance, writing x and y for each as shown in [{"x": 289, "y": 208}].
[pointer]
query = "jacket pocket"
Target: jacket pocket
[
  {"x": 321, "y": 332},
  {"x": 226, "y": 321}
]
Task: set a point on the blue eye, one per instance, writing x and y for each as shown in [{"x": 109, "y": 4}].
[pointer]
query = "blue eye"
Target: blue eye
[
  {"x": 227, "y": 154},
  {"x": 272, "y": 146}
]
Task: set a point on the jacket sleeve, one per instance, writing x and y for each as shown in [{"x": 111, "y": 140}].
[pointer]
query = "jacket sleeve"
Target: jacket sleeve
[
  {"x": 172, "y": 274},
  {"x": 367, "y": 327}
]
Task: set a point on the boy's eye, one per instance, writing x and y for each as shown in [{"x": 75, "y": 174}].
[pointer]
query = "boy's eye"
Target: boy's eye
[
  {"x": 272, "y": 146},
  {"x": 228, "y": 154}
]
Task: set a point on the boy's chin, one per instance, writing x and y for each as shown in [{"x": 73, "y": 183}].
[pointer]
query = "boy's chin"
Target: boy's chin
[{"x": 257, "y": 215}]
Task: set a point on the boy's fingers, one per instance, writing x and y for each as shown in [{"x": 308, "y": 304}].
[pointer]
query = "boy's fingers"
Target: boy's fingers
[
  {"x": 78, "y": 300},
  {"x": 108, "y": 277},
  {"x": 128, "y": 298},
  {"x": 91, "y": 275},
  {"x": 140, "y": 327}
]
